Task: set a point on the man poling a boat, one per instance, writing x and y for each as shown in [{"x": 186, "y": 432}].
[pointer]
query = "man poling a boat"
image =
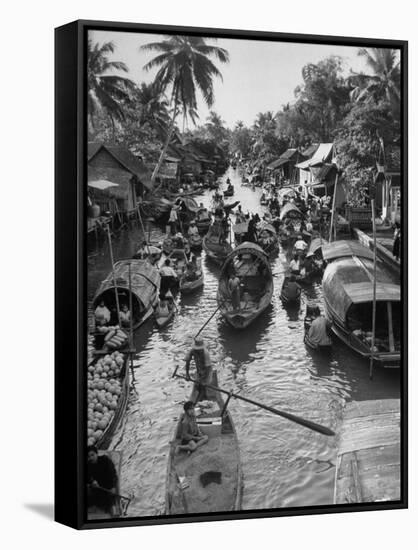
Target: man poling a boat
[{"x": 202, "y": 360}]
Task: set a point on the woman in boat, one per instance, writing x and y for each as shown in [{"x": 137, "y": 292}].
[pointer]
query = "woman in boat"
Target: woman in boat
[
  {"x": 317, "y": 336},
  {"x": 192, "y": 229},
  {"x": 125, "y": 316},
  {"x": 234, "y": 287},
  {"x": 162, "y": 309},
  {"x": 291, "y": 290},
  {"x": 102, "y": 314}
]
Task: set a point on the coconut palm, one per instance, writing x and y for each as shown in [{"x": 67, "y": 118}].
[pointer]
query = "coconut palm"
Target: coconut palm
[
  {"x": 153, "y": 107},
  {"x": 105, "y": 92},
  {"x": 383, "y": 83},
  {"x": 184, "y": 66}
]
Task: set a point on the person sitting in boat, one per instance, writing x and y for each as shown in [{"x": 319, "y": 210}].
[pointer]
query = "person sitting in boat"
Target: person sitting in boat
[
  {"x": 223, "y": 235},
  {"x": 173, "y": 219},
  {"x": 234, "y": 287},
  {"x": 318, "y": 335},
  {"x": 291, "y": 290},
  {"x": 125, "y": 316},
  {"x": 203, "y": 363},
  {"x": 191, "y": 270},
  {"x": 192, "y": 229},
  {"x": 300, "y": 247},
  {"x": 168, "y": 277},
  {"x": 102, "y": 314},
  {"x": 102, "y": 480},
  {"x": 190, "y": 435}
]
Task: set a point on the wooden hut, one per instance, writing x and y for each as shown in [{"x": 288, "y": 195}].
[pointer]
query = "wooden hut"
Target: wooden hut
[{"x": 127, "y": 176}]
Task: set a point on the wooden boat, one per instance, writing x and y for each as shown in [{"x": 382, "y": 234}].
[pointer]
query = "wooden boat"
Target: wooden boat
[
  {"x": 269, "y": 242},
  {"x": 287, "y": 300},
  {"x": 145, "y": 286},
  {"x": 345, "y": 249},
  {"x": 195, "y": 242},
  {"x": 215, "y": 250},
  {"x": 348, "y": 297},
  {"x": 210, "y": 478},
  {"x": 120, "y": 505},
  {"x": 187, "y": 286},
  {"x": 250, "y": 263},
  {"x": 291, "y": 211},
  {"x": 163, "y": 321},
  {"x": 203, "y": 220},
  {"x": 109, "y": 431}
]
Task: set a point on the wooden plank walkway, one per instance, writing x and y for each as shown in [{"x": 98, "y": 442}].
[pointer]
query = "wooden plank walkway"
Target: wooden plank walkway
[{"x": 368, "y": 460}]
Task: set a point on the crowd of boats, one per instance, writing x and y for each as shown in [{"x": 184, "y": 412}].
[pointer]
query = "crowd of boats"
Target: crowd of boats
[{"x": 354, "y": 285}]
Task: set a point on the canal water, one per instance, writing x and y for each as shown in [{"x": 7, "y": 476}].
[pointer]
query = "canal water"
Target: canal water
[{"x": 284, "y": 464}]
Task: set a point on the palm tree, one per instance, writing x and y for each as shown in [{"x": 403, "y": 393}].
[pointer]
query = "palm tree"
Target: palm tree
[
  {"x": 153, "y": 107},
  {"x": 106, "y": 92},
  {"x": 184, "y": 67},
  {"x": 383, "y": 83}
]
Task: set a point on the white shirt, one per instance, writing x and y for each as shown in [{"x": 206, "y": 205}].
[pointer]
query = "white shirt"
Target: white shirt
[
  {"x": 167, "y": 271},
  {"x": 300, "y": 245}
]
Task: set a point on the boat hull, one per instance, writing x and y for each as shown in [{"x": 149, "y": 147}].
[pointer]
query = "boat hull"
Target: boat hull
[{"x": 213, "y": 472}]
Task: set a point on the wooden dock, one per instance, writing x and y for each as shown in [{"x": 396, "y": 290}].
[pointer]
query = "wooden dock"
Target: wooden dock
[{"x": 368, "y": 460}]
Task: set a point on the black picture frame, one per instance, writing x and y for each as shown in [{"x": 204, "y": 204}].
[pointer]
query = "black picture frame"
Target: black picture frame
[{"x": 71, "y": 272}]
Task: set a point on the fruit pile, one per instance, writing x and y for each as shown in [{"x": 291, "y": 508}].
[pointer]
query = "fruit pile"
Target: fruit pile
[
  {"x": 103, "y": 391},
  {"x": 115, "y": 337}
]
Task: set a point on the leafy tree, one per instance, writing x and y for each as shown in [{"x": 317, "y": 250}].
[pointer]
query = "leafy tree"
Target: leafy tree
[
  {"x": 105, "y": 92},
  {"x": 384, "y": 82},
  {"x": 184, "y": 67},
  {"x": 241, "y": 139}
]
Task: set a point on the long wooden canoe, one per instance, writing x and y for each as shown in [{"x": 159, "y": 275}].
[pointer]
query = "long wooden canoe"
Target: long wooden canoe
[
  {"x": 250, "y": 263},
  {"x": 210, "y": 478},
  {"x": 215, "y": 250},
  {"x": 145, "y": 285}
]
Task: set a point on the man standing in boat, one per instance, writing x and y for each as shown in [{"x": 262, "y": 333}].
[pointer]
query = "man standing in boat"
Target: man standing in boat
[{"x": 203, "y": 363}]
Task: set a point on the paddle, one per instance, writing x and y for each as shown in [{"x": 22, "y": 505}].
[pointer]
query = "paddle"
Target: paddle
[{"x": 293, "y": 418}]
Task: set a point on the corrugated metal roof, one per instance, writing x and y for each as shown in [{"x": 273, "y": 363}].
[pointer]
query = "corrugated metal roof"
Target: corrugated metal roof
[{"x": 322, "y": 154}]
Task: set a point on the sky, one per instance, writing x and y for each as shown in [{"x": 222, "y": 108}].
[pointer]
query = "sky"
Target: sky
[{"x": 260, "y": 76}]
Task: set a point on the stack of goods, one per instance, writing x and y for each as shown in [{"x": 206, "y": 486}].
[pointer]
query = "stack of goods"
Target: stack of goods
[
  {"x": 104, "y": 390},
  {"x": 115, "y": 337}
]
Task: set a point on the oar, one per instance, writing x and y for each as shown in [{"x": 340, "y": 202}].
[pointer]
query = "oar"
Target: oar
[
  {"x": 297, "y": 419},
  {"x": 100, "y": 488}
]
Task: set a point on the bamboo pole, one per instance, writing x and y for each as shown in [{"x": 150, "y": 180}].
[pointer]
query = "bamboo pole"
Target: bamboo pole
[
  {"x": 333, "y": 207},
  {"x": 131, "y": 329},
  {"x": 113, "y": 273},
  {"x": 374, "y": 292},
  {"x": 143, "y": 228}
]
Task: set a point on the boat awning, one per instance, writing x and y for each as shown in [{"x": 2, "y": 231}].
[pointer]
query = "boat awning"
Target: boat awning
[
  {"x": 288, "y": 209},
  {"x": 314, "y": 246},
  {"x": 360, "y": 293},
  {"x": 102, "y": 184},
  {"x": 268, "y": 227},
  {"x": 341, "y": 249}
]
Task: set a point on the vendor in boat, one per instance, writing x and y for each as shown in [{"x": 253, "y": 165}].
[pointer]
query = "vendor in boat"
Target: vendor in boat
[
  {"x": 168, "y": 277},
  {"x": 234, "y": 287},
  {"x": 318, "y": 335},
  {"x": 102, "y": 480},
  {"x": 125, "y": 316},
  {"x": 191, "y": 270},
  {"x": 101, "y": 314},
  {"x": 291, "y": 290},
  {"x": 203, "y": 363},
  {"x": 192, "y": 229},
  {"x": 190, "y": 435},
  {"x": 300, "y": 247},
  {"x": 179, "y": 241}
]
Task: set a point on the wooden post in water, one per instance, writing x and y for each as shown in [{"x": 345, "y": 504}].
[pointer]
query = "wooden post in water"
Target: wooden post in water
[
  {"x": 113, "y": 272},
  {"x": 131, "y": 330},
  {"x": 333, "y": 208},
  {"x": 374, "y": 292}
]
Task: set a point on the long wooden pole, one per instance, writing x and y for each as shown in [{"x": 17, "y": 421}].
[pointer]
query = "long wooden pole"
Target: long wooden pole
[
  {"x": 333, "y": 207},
  {"x": 297, "y": 419},
  {"x": 142, "y": 227},
  {"x": 131, "y": 329},
  {"x": 113, "y": 272},
  {"x": 374, "y": 292}
]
